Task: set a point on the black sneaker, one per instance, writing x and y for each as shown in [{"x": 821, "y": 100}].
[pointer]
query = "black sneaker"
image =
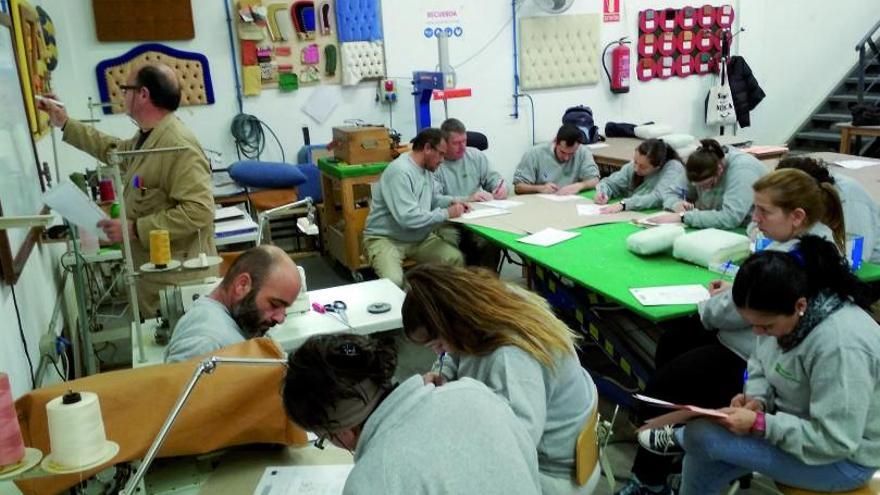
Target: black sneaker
[
  {"x": 635, "y": 487},
  {"x": 660, "y": 441}
]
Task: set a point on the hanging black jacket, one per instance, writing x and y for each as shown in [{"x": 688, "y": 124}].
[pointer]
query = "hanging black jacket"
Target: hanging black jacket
[{"x": 746, "y": 91}]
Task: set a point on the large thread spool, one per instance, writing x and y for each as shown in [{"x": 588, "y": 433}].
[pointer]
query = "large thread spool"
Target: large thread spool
[
  {"x": 76, "y": 430},
  {"x": 160, "y": 248},
  {"x": 11, "y": 443}
]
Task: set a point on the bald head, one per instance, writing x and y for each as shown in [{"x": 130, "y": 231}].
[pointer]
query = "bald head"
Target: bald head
[
  {"x": 259, "y": 287},
  {"x": 162, "y": 84}
]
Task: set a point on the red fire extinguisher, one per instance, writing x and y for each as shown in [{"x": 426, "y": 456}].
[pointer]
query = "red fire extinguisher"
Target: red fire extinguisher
[{"x": 618, "y": 78}]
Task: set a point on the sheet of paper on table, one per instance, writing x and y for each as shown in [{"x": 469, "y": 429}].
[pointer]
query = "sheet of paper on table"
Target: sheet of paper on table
[
  {"x": 484, "y": 212},
  {"x": 548, "y": 237},
  {"x": 501, "y": 203},
  {"x": 561, "y": 197},
  {"x": 303, "y": 480},
  {"x": 589, "y": 210},
  {"x": 857, "y": 164},
  {"x": 670, "y": 294}
]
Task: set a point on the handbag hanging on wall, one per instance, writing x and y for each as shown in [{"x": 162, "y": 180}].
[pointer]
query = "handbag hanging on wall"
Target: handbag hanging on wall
[{"x": 719, "y": 102}]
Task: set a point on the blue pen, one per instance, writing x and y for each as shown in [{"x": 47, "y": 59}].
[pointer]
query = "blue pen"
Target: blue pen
[
  {"x": 682, "y": 192},
  {"x": 724, "y": 274},
  {"x": 440, "y": 370},
  {"x": 745, "y": 380}
]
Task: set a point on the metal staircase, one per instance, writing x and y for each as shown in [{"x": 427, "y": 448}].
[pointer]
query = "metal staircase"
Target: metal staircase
[{"x": 860, "y": 85}]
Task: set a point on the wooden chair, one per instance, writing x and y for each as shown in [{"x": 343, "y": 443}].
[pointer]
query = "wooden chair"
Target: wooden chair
[
  {"x": 587, "y": 454},
  {"x": 872, "y": 488}
]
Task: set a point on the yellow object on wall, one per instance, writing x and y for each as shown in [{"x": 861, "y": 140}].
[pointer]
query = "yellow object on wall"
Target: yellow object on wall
[{"x": 33, "y": 57}]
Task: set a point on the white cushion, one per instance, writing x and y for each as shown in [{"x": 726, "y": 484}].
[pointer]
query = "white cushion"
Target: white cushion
[
  {"x": 678, "y": 141},
  {"x": 362, "y": 60},
  {"x": 652, "y": 131},
  {"x": 709, "y": 246},
  {"x": 654, "y": 240}
]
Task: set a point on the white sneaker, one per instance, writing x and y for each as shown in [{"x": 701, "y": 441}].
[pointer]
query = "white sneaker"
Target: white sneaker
[{"x": 660, "y": 441}]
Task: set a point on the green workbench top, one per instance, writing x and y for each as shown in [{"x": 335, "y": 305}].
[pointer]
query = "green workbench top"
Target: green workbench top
[
  {"x": 599, "y": 260},
  {"x": 342, "y": 170}
]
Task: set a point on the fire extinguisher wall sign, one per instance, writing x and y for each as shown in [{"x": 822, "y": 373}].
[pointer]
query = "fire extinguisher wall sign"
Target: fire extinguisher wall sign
[{"x": 618, "y": 78}]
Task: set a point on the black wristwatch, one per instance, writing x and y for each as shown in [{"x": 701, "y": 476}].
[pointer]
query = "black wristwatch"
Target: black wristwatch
[{"x": 623, "y": 204}]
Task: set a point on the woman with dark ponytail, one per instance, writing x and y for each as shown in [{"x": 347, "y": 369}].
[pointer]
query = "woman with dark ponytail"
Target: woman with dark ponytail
[
  {"x": 654, "y": 174},
  {"x": 720, "y": 191},
  {"x": 861, "y": 212},
  {"x": 810, "y": 414},
  {"x": 410, "y": 436},
  {"x": 789, "y": 204}
]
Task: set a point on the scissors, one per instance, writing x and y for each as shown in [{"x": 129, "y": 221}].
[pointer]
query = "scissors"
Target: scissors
[{"x": 337, "y": 307}]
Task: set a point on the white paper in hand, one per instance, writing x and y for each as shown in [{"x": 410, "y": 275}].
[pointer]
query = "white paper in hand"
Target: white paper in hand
[
  {"x": 670, "y": 294},
  {"x": 548, "y": 237},
  {"x": 73, "y": 204},
  {"x": 501, "y": 203}
]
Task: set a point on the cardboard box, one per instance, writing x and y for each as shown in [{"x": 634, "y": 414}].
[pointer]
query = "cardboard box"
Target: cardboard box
[{"x": 361, "y": 144}]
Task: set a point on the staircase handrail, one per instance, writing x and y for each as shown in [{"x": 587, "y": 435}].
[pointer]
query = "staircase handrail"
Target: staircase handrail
[{"x": 866, "y": 41}]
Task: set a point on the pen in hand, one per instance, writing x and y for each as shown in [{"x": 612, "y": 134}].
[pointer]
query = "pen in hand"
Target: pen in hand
[{"x": 440, "y": 369}]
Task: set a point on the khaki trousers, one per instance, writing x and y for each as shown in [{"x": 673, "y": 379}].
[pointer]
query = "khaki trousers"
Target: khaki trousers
[{"x": 386, "y": 255}]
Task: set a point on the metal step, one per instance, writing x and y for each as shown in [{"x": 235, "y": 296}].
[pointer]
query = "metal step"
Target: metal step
[
  {"x": 829, "y": 136},
  {"x": 851, "y": 98},
  {"x": 833, "y": 117},
  {"x": 869, "y": 79}
]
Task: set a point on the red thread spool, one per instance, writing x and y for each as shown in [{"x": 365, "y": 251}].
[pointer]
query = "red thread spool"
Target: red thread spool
[
  {"x": 11, "y": 443},
  {"x": 105, "y": 189}
]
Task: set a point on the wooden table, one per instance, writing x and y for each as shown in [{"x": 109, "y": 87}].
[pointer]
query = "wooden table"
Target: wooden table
[
  {"x": 849, "y": 131},
  {"x": 619, "y": 151},
  {"x": 868, "y": 177}
]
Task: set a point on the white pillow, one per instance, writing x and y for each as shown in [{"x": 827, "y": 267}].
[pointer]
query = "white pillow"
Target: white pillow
[
  {"x": 654, "y": 240},
  {"x": 652, "y": 131},
  {"x": 710, "y": 246},
  {"x": 678, "y": 141}
]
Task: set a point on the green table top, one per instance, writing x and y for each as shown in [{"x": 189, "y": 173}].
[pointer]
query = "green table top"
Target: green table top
[
  {"x": 342, "y": 170},
  {"x": 599, "y": 260}
]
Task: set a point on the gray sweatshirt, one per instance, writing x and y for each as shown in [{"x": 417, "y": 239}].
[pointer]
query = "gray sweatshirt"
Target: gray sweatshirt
[
  {"x": 539, "y": 166},
  {"x": 729, "y": 204},
  {"x": 552, "y": 404},
  {"x": 719, "y": 313},
  {"x": 860, "y": 214},
  {"x": 823, "y": 396},
  {"x": 458, "y": 438},
  {"x": 467, "y": 175},
  {"x": 406, "y": 203},
  {"x": 665, "y": 184},
  {"x": 206, "y": 327}
]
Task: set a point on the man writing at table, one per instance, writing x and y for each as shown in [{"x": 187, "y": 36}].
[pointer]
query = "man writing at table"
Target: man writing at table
[
  {"x": 407, "y": 207},
  {"x": 252, "y": 298},
  {"x": 162, "y": 191},
  {"x": 562, "y": 167},
  {"x": 466, "y": 176}
]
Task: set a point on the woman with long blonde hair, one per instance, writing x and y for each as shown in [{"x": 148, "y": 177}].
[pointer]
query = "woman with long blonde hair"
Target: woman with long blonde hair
[{"x": 507, "y": 338}]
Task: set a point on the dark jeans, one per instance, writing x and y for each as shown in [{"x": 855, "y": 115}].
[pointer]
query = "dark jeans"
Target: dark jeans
[{"x": 693, "y": 367}]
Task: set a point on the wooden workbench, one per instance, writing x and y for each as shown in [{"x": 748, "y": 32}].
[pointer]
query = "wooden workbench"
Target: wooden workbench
[{"x": 347, "y": 191}]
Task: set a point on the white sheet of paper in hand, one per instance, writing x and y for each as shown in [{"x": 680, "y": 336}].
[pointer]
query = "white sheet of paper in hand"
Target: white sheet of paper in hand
[
  {"x": 670, "y": 294},
  {"x": 857, "y": 164},
  {"x": 73, "y": 204},
  {"x": 304, "y": 480},
  {"x": 589, "y": 210},
  {"x": 501, "y": 203},
  {"x": 548, "y": 237},
  {"x": 561, "y": 197},
  {"x": 484, "y": 212}
]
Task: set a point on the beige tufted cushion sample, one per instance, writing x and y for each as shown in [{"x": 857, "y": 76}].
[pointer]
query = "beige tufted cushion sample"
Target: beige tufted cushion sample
[
  {"x": 559, "y": 50},
  {"x": 362, "y": 60},
  {"x": 190, "y": 75}
]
